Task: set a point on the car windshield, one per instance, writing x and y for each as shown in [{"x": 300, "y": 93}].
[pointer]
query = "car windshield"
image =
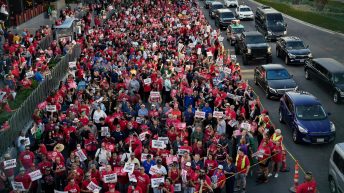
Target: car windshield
[
  {"x": 294, "y": 45},
  {"x": 217, "y": 6},
  {"x": 227, "y": 15},
  {"x": 277, "y": 74},
  {"x": 245, "y": 9},
  {"x": 275, "y": 19},
  {"x": 310, "y": 112},
  {"x": 338, "y": 78},
  {"x": 255, "y": 39},
  {"x": 238, "y": 30}
]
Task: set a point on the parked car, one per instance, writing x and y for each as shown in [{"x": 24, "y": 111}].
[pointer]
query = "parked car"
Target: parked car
[
  {"x": 336, "y": 169},
  {"x": 253, "y": 46},
  {"x": 330, "y": 73},
  {"x": 223, "y": 17},
  {"x": 208, "y": 2},
  {"x": 233, "y": 31},
  {"x": 231, "y": 3},
  {"x": 306, "y": 117},
  {"x": 270, "y": 23},
  {"x": 213, "y": 7},
  {"x": 292, "y": 50},
  {"x": 244, "y": 12},
  {"x": 274, "y": 79}
]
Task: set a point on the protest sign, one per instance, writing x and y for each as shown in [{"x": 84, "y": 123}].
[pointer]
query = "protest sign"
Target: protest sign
[
  {"x": 158, "y": 144},
  {"x": 129, "y": 167},
  {"x": 180, "y": 47},
  {"x": 154, "y": 94},
  {"x": 181, "y": 151},
  {"x": 209, "y": 54},
  {"x": 18, "y": 186},
  {"x": 104, "y": 131},
  {"x": 8, "y": 164},
  {"x": 139, "y": 120},
  {"x": 177, "y": 187},
  {"x": 110, "y": 178},
  {"x": 199, "y": 51},
  {"x": 72, "y": 64},
  {"x": 92, "y": 186},
  {"x": 200, "y": 114},
  {"x": 245, "y": 126},
  {"x": 147, "y": 81},
  {"x": 164, "y": 139},
  {"x": 227, "y": 70},
  {"x": 142, "y": 135},
  {"x": 35, "y": 175},
  {"x": 154, "y": 171},
  {"x": 232, "y": 123},
  {"x": 132, "y": 177},
  {"x": 81, "y": 155},
  {"x": 218, "y": 114},
  {"x": 57, "y": 191},
  {"x": 155, "y": 182},
  {"x": 50, "y": 108},
  {"x": 180, "y": 126},
  {"x": 144, "y": 156}
]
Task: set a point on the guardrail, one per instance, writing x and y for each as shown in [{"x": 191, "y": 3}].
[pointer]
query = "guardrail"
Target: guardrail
[{"x": 24, "y": 113}]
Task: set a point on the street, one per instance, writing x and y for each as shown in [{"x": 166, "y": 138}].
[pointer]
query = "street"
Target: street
[{"x": 312, "y": 158}]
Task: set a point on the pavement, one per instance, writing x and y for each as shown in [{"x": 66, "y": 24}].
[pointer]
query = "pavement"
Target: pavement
[{"x": 314, "y": 158}]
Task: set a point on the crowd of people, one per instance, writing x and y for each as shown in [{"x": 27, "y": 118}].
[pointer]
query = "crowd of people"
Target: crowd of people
[{"x": 154, "y": 104}]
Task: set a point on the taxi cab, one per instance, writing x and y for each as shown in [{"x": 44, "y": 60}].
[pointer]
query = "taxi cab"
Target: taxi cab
[{"x": 234, "y": 30}]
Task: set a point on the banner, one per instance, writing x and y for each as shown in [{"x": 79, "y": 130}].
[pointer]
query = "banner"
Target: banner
[
  {"x": 50, "y": 108},
  {"x": 35, "y": 175},
  {"x": 218, "y": 114},
  {"x": 158, "y": 144},
  {"x": 18, "y": 186},
  {"x": 110, "y": 178},
  {"x": 200, "y": 114},
  {"x": 8, "y": 164},
  {"x": 81, "y": 155},
  {"x": 154, "y": 94},
  {"x": 157, "y": 181},
  {"x": 129, "y": 167},
  {"x": 92, "y": 186}
]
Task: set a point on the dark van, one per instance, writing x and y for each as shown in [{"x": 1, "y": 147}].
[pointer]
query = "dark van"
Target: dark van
[{"x": 270, "y": 23}]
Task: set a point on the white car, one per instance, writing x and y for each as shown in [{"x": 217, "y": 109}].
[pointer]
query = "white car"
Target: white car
[
  {"x": 244, "y": 12},
  {"x": 231, "y": 3}
]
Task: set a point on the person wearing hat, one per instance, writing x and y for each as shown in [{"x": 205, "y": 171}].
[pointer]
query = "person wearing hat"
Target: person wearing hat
[
  {"x": 148, "y": 163},
  {"x": 218, "y": 179},
  {"x": 133, "y": 188},
  {"x": 143, "y": 180},
  {"x": 187, "y": 181},
  {"x": 158, "y": 170},
  {"x": 309, "y": 186},
  {"x": 112, "y": 189},
  {"x": 242, "y": 165}
]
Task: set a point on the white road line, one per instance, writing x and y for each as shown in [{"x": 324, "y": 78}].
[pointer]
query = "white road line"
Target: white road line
[{"x": 305, "y": 23}]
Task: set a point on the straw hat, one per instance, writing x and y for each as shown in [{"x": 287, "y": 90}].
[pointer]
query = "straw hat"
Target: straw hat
[{"x": 59, "y": 147}]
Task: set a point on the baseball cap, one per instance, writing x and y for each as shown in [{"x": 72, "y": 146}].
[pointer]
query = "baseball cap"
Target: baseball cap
[
  {"x": 220, "y": 167},
  {"x": 159, "y": 161},
  {"x": 188, "y": 164}
]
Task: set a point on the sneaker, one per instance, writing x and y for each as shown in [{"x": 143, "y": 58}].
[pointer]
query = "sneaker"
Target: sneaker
[
  {"x": 270, "y": 174},
  {"x": 276, "y": 175}
]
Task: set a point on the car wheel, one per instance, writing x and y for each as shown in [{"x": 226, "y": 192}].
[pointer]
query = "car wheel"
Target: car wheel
[
  {"x": 307, "y": 75},
  {"x": 286, "y": 60},
  {"x": 280, "y": 117},
  {"x": 244, "y": 59},
  {"x": 333, "y": 186},
  {"x": 295, "y": 136},
  {"x": 336, "y": 97}
]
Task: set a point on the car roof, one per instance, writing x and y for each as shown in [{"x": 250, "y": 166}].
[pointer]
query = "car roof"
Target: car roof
[
  {"x": 252, "y": 33},
  {"x": 303, "y": 98},
  {"x": 216, "y": 3},
  {"x": 223, "y": 10},
  {"x": 272, "y": 66},
  {"x": 330, "y": 64},
  {"x": 244, "y": 6},
  {"x": 291, "y": 38},
  {"x": 267, "y": 9}
]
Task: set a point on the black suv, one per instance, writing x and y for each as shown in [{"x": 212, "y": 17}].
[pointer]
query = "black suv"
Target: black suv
[
  {"x": 330, "y": 72},
  {"x": 253, "y": 46},
  {"x": 292, "y": 50},
  {"x": 223, "y": 18}
]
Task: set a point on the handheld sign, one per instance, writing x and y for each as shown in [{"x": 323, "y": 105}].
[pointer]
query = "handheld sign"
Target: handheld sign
[
  {"x": 51, "y": 108},
  {"x": 92, "y": 186},
  {"x": 18, "y": 186},
  {"x": 164, "y": 139},
  {"x": 218, "y": 114},
  {"x": 200, "y": 114},
  {"x": 35, "y": 175},
  {"x": 81, "y": 155},
  {"x": 154, "y": 94},
  {"x": 157, "y": 181},
  {"x": 104, "y": 131},
  {"x": 129, "y": 167},
  {"x": 147, "y": 81},
  {"x": 8, "y": 164},
  {"x": 158, "y": 144},
  {"x": 110, "y": 178}
]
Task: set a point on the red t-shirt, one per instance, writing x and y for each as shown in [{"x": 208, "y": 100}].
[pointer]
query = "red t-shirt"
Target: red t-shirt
[
  {"x": 72, "y": 189},
  {"x": 239, "y": 164},
  {"x": 25, "y": 179},
  {"x": 142, "y": 180},
  {"x": 27, "y": 158},
  {"x": 307, "y": 187},
  {"x": 134, "y": 190}
]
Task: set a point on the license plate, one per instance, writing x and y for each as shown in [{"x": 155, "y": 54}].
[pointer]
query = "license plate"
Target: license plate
[
  {"x": 302, "y": 60},
  {"x": 320, "y": 140}
]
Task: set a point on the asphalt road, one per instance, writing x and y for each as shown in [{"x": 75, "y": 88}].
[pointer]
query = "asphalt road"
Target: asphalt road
[{"x": 312, "y": 158}]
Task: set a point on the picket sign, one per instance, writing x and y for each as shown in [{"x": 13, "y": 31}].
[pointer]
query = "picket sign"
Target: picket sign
[
  {"x": 180, "y": 47},
  {"x": 92, "y": 186},
  {"x": 142, "y": 135},
  {"x": 139, "y": 120},
  {"x": 154, "y": 94},
  {"x": 57, "y": 191},
  {"x": 227, "y": 70},
  {"x": 177, "y": 187},
  {"x": 218, "y": 114},
  {"x": 8, "y": 164},
  {"x": 158, "y": 144},
  {"x": 144, "y": 156},
  {"x": 81, "y": 155},
  {"x": 245, "y": 126},
  {"x": 199, "y": 51},
  {"x": 110, "y": 178},
  {"x": 132, "y": 177},
  {"x": 72, "y": 64},
  {"x": 104, "y": 131},
  {"x": 200, "y": 114},
  {"x": 164, "y": 139},
  {"x": 50, "y": 108},
  {"x": 35, "y": 175},
  {"x": 181, "y": 151},
  {"x": 157, "y": 181},
  {"x": 129, "y": 167},
  {"x": 18, "y": 186},
  {"x": 147, "y": 81},
  {"x": 232, "y": 123}
]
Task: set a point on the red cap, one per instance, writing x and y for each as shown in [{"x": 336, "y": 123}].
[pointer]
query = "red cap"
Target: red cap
[{"x": 111, "y": 186}]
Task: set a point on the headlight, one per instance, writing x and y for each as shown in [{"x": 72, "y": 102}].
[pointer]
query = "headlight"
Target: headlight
[
  {"x": 269, "y": 33},
  {"x": 302, "y": 130},
  {"x": 272, "y": 90},
  {"x": 269, "y": 49},
  {"x": 285, "y": 32},
  {"x": 291, "y": 55},
  {"x": 249, "y": 50},
  {"x": 310, "y": 55},
  {"x": 333, "y": 128}
]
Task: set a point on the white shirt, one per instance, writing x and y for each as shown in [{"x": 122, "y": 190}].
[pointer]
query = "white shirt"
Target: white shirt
[
  {"x": 155, "y": 169},
  {"x": 103, "y": 155},
  {"x": 98, "y": 114}
]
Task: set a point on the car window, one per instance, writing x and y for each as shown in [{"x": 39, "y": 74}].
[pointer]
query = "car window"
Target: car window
[
  {"x": 277, "y": 74},
  {"x": 338, "y": 78},
  {"x": 338, "y": 161},
  {"x": 217, "y": 6},
  {"x": 255, "y": 39},
  {"x": 293, "y": 45},
  {"x": 289, "y": 104},
  {"x": 245, "y": 9},
  {"x": 310, "y": 112},
  {"x": 321, "y": 69},
  {"x": 227, "y": 15},
  {"x": 238, "y": 30}
]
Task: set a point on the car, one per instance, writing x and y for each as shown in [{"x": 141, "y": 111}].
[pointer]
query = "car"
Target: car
[
  {"x": 208, "y": 2},
  {"x": 274, "y": 79},
  {"x": 231, "y": 3},
  {"x": 336, "y": 169},
  {"x": 244, "y": 12},
  {"x": 213, "y": 7},
  {"x": 223, "y": 17},
  {"x": 253, "y": 46},
  {"x": 233, "y": 31},
  {"x": 305, "y": 116},
  {"x": 292, "y": 50},
  {"x": 330, "y": 73},
  {"x": 270, "y": 22}
]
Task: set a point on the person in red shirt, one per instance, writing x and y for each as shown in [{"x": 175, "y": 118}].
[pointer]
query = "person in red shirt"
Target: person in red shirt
[
  {"x": 88, "y": 179},
  {"x": 243, "y": 165},
  {"x": 27, "y": 157},
  {"x": 23, "y": 178},
  {"x": 309, "y": 186},
  {"x": 277, "y": 158},
  {"x": 112, "y": 189},
  {"x": 143, "y": 180},
  {"x": 72, "y": 187},
  {"x": 219, "y": 179},
  {"x": 134, "y": 188},
  {"x": 264, "y": 153},
  {"x": 59, "y": 172}
]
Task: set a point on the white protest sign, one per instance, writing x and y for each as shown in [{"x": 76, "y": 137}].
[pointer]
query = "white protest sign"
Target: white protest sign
[
  {"x": 199, "y": 51},
  {"x": 177, "y": 187},
  {"x": 104, "y": 131},
  {"x": 139, "y": 121},
  {"x": 246, "y": 126},
  {"x": 81, "y": 155},
  {"x": 164, "y": 139},
  {"x": 157, "y": 181},
  {"x": 227, "y": 70},
  {"x": 51, "y": 108},
  {"x": 110, "y": 178},
  {"x": 180, "y": 47},
  {"x": 181, "y": 151},
  {"x": 232, "y": 123},
  {"x": 35, "y": 175},
  {"x": 129, "y": 167},
  {"x": 72, "y": 64},
  {"x": 8, "y": 164},
  {"x": 147, "y": 81},
  {"x": 18, "y": 186},
  {"x": 218, "y": 114},
  {"x": 158, "y": 144},
  {"x": 154, "y": 94},
  {"x": 92, "y": 186},
  {"x": 209, "y": 54},
  {"x": 131, "y": 177},
  {"x": 144, "y": 156},
  {"x": 200, "y": 114}
]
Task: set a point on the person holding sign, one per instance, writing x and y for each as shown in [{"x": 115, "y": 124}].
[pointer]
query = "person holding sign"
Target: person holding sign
[
  {"x": 27, "y": 157},
  {"x": 133, "y": 188},
  {"x": 24, "y": 178},
  {"x": 72, "y": 187},
  {"x": 143, "y": 180},
  {"x": 85, "y": 184}
]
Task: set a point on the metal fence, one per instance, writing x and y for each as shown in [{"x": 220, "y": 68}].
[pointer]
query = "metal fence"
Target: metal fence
[
  {"x": 24, "y": 113},
  {"x": 46, "y": 41}
]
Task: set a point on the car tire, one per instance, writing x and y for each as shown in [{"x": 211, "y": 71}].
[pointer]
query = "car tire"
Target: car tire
[
  {"x": 307, "y": 75},
  {"x": 332, "y": 185},
  {"x": 295, "y": 136},
  {"x": 280, "y": 116},
  {"x": 286, "y": 60},
  {"x": 335, "y": 97},
  {"x": 244, "y": 59}
]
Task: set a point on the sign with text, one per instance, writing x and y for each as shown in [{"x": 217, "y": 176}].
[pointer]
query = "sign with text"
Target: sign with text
[
  {"x": 129, "y": 167},
  {"x": 81, "y": 155},
  {"x": 181, "y": 151},
  {"x": 147, "y": 81},
  {"x": 154, "y": 94},
  {"x": 200, "y": 114},
  {"x": 157, "y": 181},
  {"x": 8, "y": 164},
  {"x": 218, "y": 114},
  {"x": 158, "y": 144},
  {"x": 104, "y": 131},
  {"x": 50, "y": 108},
  {"x": 35, "y": 175},
  {"x": 92, "y": 186},
  {"x": 164, "y": 139},
  {"x": 18, "y": 186},
  {"x": 110, "y": 178}
]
